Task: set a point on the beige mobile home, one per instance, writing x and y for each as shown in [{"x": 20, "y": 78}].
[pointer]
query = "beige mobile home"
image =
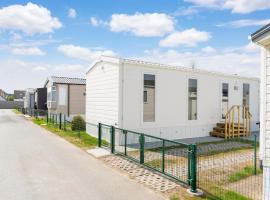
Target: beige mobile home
[
  {"x": 66, "y": 95},
  {"x": 262, "y": 38},
  {"x": 165, "y": 101}
]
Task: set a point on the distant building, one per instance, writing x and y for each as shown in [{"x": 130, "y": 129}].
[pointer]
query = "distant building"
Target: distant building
[
  {"x": 3, "y": 95},
  {"x": 19, "y": 95},
  {"x": 66, "y": 95}
]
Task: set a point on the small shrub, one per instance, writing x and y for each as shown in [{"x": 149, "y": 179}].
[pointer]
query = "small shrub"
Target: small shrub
[{"x": 78, "y": 124}]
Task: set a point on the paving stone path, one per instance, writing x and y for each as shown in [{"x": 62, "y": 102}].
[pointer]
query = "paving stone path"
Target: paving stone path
[{"x": 141, "y": 174}]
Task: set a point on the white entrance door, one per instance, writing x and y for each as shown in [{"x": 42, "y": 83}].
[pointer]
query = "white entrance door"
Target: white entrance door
[{"x": 224, "y": 99}]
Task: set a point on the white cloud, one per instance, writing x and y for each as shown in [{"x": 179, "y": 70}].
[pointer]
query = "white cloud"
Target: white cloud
[
  {"x": 83, "y": 53},
  {"x": 142, "y": 24},
  {"x": 27, "y": 51},
  {"x": 246, "y": 6},
  {"x": 182, "y": 11},
  {"x": 69, "y": 67},
  {"x": 188, "y": 37},
  {"x": 39, "y": 69},
  {"x": 72, "y": 13},
  {"x": 94, "y": 21},
  {"x": 24, "y": 74},
  {"x": 208, "y": 49},
  {"x": 251, "y": 47},
  {"x": 236, "y": 6},
  {"x": 236, "y": 62},
  {"x": 245, "y": 22},
  {"x": 29, "y": 18}
]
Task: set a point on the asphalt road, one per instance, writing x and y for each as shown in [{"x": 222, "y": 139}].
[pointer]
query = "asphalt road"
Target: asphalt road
[{"x": 37, "y": 165}]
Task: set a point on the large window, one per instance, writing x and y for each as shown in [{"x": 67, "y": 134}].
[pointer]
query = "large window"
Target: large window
[
  {"x": 51, "y": 94},
  {"x": 192, "y": 99},
  {"x": 62, "y": 98},
  {"x": 149, "y": 98},
  {"x": 225, "y": 99}
]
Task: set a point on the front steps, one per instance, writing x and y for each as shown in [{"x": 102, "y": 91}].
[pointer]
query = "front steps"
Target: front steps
[{"x": 234, "y": 131}]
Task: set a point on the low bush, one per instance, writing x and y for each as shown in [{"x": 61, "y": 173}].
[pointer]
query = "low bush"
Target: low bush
[{"x": 78, "y": 124}]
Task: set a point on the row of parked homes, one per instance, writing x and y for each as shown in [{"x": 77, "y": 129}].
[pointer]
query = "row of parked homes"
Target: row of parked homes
[
  {"x": 59, "y": 95},
  {"x": 165, "y": 101}
]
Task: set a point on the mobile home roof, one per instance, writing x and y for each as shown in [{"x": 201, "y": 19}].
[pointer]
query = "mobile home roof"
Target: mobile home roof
[{"x": 164, "y": 66}]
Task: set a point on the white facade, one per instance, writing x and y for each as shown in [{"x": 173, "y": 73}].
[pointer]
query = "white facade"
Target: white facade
[
  {"x": 115, "y": 96},
  {"x": 262, "y": 38}
]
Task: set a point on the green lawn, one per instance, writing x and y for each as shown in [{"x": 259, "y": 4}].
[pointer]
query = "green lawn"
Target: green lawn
[
  {"x": 80, "y": 139},
  {"x": 244, "y": 173}
]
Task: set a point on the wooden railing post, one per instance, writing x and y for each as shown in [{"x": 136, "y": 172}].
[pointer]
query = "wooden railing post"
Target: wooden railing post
[
  {"x": 238, "y": 125},
  {"x": 233, "y": 122},
  {"x": 226, "y": 126}
]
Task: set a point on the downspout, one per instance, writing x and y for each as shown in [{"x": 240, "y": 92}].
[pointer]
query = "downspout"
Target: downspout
[{"x": 68, "y": 103}]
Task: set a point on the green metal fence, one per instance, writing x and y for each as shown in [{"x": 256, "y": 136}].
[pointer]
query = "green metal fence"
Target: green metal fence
[
  {"x": 173, "y": 159},
  {"x": 230, "y": 169}
]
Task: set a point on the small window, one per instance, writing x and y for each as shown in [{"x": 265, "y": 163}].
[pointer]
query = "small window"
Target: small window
[
  {"x": 192, "y": 99},
  {"x": 145, "y": 96},
  {"x": 225, "y": 99},
  {"x": 149, "y": 84}
]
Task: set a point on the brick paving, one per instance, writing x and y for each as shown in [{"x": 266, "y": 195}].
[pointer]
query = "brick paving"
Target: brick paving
[{"x": 142, "y": 175}]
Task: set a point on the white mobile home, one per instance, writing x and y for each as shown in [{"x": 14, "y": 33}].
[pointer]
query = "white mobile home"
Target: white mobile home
[{"x": 165, "y": 101}]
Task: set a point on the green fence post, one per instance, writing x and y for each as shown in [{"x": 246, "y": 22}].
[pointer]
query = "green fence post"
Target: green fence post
[
  {"x": 255, "y": 154},
  {"x": 125, "y": 133},
  {"x": 99, "y": 134},
  {"x": 112, "y": 139},
  {"x": 56, "y": 119},
  {"x": 65, "y": 126},
  {"x": 142, "y": 141},
  {"x": 60, "y": 121},
  {"x": 163, "y": 156},
  {"x": 47, "y": 117},
  {"x": 189, "y": 165},
  {"x": 193, "y": 168}
]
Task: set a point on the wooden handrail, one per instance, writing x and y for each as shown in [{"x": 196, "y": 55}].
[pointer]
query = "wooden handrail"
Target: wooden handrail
[{"x": 234, "y": 127}]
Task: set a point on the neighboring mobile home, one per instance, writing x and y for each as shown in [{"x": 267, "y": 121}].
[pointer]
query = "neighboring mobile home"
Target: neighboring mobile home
[
  {"x": 41, "y": 98},
  {"x": 66, "y": 95},
  {"x": 262, "y": 38},
  {"x": 29, "y": 99},
  {"x": 165, "y": 101}
]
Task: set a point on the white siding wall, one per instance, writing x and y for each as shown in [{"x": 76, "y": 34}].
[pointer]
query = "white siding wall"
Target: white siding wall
[
  {"x": 102, "y": 95},
  {"x": 265, "y": 140},
  {"x": 171, "y": 101}
]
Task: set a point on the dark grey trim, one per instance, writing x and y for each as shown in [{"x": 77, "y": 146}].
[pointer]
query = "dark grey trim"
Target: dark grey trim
[
  {"x": 260, "y": 33},
  {"x": 68, "y": 103}
]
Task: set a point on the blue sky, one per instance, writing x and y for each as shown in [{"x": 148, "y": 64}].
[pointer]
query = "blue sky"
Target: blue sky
[{"x": 42, "y": 38}]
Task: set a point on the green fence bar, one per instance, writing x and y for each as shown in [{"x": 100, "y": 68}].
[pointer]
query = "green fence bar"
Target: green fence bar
[
  {"x": 163, "y": 156},
  {"x": 142, "y": 141},
  {"x": 99, "y": 134},
  {"x": 193, "y": 168},
  {"x": 60, "y": 121},
  {"x": 125, "y": 134},
  {"x": 65, "y": 123},
  {"x": 112, "y": 139},
  {"x": 255, "y": 154}
]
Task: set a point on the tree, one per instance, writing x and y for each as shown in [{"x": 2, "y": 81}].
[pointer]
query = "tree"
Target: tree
[{"x": 10, "y": 98}]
